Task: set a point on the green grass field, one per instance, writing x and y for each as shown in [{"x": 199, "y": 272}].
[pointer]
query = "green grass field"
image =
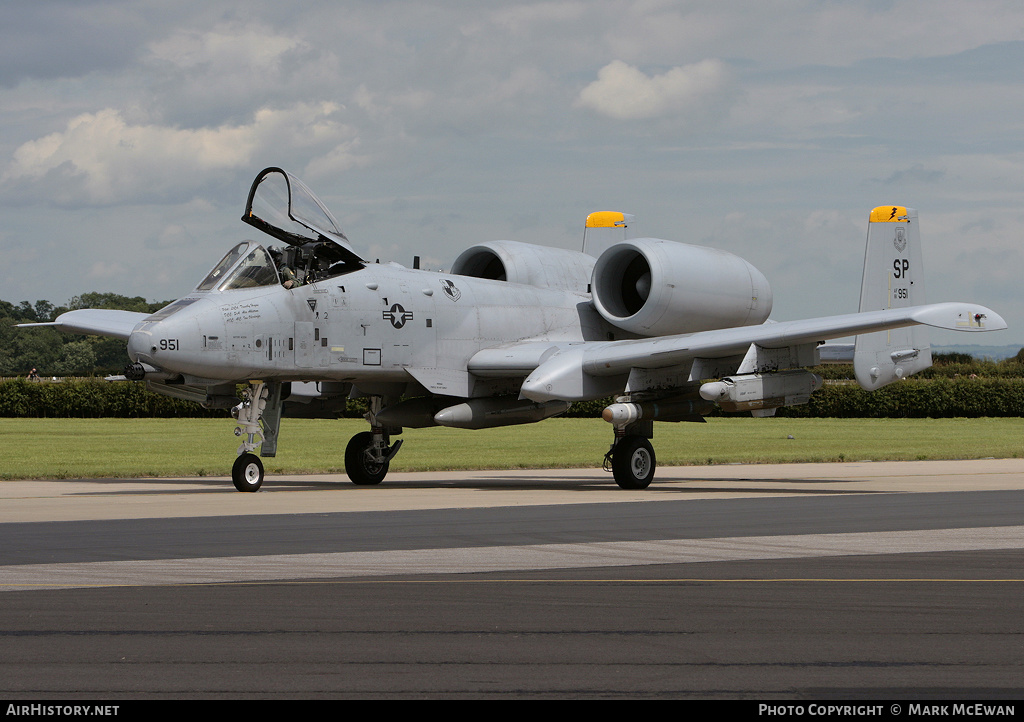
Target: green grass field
[{"x": 71, "y": 448}]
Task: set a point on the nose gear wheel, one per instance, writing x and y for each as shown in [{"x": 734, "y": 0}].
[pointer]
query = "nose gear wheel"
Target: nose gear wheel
[{"x": 247, "y": 473}]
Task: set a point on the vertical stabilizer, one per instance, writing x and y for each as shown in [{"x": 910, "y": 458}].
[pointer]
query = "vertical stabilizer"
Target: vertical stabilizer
[
  {"x": 604, "y": 228},
  {"x": 893, "y": 278}
]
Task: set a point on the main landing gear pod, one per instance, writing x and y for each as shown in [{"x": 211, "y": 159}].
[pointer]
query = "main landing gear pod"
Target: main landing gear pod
[{"x": 631, "y": 458}]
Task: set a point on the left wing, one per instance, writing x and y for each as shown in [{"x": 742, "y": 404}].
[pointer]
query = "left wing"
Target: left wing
[
  {"x": 96, "y": 322},
  {"x": 573, "y": 372}
]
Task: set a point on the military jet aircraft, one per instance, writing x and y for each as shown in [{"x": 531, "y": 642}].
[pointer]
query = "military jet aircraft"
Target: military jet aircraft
[{"x": 513, "y": 333}]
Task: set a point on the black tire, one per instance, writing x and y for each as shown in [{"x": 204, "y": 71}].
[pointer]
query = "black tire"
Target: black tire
[
  {"x": 360, "y": 469},
  {"x": 633, "y": 463},
  {"x": 247, "y": 473}
]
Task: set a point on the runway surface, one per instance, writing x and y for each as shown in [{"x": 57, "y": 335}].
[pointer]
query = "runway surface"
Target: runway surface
[{"x": 879, "y": 580}]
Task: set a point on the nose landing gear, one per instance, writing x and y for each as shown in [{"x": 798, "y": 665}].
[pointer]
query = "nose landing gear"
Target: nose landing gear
[{"x": 247, "y": 471}]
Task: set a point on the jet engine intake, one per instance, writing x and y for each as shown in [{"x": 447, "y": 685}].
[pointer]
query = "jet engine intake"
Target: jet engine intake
[
  {"x": 526, "y": 263},
  {"x": 652, "y": 287}
]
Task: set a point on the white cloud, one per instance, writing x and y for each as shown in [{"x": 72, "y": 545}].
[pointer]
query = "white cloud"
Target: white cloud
[
  {"x": 101, "y": 158},
  {"x": 343, "y": 157},
  {"x": 623, "y": 92},
  {"x": 208, "y": 77},
  {"x": 521, "y": 18},
  {"x": 242, "y": 49},
  {"x": 106, "y": 271}
]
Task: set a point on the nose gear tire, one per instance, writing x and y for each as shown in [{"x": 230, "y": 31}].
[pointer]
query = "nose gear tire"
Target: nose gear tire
[{"x": 247, "y": 472}]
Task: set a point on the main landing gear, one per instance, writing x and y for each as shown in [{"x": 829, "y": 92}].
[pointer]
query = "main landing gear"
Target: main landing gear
[
  {"x": 369, "y": 453},
  {"x": 631, "y": 460},
  {"x": 367, "y": 456}
]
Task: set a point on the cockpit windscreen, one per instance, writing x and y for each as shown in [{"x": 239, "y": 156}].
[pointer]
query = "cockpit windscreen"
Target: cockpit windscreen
[
  {"x": 247, "y": 265},
  {"x": 214, "y": 277},
  {"x": 255, "y": 270}
]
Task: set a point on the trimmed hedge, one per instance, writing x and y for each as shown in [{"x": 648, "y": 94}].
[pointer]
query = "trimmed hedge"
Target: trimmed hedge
[
  {"x": 917, "y": 398},
  {"x": 92, "y": 398},
  {"x": 95, "y": 398},
  {"x": 912, "y": 398}
]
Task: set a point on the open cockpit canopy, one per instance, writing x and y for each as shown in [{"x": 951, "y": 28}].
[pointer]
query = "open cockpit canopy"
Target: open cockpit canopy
[{"x": 282, "y": 206}]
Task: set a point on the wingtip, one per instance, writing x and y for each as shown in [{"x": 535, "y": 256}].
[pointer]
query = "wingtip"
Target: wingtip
[{"x": 961, "y": 317}]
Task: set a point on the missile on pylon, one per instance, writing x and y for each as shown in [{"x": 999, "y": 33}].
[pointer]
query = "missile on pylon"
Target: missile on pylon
[
  {"x": 487, "y": 413},
  {"x": 750, "y": 392},
  {"x": 626, "y": 412}
]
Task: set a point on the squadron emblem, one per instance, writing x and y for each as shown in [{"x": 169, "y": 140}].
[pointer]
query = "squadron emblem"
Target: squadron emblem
[
  {"x": 450, "y": 290},
  {"x": 900, "y": 241}
]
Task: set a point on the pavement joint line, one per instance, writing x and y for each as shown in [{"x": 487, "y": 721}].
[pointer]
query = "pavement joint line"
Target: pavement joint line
[{"x": 534, "y": 557}]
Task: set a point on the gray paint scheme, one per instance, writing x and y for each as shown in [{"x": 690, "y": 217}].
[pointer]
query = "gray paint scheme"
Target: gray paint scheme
[{"x": 522, "y": 327}]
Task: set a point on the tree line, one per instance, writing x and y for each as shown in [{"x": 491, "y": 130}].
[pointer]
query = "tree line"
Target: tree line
[{"x": 53, "y": 353}]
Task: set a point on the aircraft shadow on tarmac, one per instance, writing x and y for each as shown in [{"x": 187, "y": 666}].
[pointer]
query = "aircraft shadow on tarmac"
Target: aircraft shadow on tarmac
[{"x": 667, "y": 486}]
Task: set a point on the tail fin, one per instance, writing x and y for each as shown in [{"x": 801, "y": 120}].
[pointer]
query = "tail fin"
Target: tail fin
[
  {"x": 893, "y": 278},
  {"x": 603, "y": 228}
]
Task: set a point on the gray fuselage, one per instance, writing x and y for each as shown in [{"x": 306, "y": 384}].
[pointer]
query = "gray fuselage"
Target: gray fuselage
[{"x": 381, "y": 323}]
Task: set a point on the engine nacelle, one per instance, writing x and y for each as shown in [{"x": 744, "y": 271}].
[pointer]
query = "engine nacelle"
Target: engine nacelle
[
  {"x": 526, "y": 263},
  {"x": 652, "y": 287}
]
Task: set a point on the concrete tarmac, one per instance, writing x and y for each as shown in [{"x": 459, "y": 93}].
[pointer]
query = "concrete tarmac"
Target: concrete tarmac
[
  {"x": 78, "y": 499},
  {"x": 874, "y": 580}
]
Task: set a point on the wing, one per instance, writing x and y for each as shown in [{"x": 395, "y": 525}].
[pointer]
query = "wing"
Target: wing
[
  {"x": 589, "y": 370},
  {"x": 96, "y": 322}
]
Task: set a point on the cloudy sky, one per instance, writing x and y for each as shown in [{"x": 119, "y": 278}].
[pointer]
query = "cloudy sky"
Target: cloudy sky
[{"x": 130, "y": 132}]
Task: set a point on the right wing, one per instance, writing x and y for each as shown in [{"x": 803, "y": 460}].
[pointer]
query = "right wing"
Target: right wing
[
  {"x": 573, "y": 372},
  {"x": 96, "y": 322},
  {"x": 890, "y": 341}
]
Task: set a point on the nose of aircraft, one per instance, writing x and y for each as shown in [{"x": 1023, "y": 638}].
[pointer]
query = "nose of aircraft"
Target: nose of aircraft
[{"x": 139, "y": 345}]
